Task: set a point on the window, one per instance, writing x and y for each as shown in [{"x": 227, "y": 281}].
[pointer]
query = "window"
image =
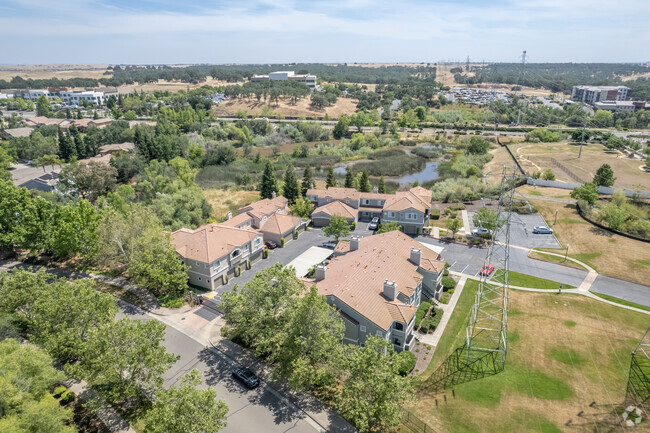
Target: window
[
  {"x": 362, "y": 328},
  {"x": 198, "y": 263},
  {"x": 380, "y": 334},
  {"x": 396, "y": 342},
  {"x": 246, "y": 247},
  {"x": 208, "y": 280},
  {"x": 257, "y": 241},
  {"x": 235, "y": 253},
  {"x": 399, "y": 326},
  {"x": 216, "y": 264}
]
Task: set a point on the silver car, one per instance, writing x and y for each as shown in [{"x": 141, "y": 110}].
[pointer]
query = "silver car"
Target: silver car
[
  {"x": 543, "y": 230},
  {"x": 374, "y": 223}
]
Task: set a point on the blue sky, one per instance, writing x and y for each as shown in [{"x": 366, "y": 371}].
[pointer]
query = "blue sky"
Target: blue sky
[{"x": 273, "y": 31}]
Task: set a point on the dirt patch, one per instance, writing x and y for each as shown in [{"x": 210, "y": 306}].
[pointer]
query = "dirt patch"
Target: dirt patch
[
  {"x": 285, "y": 107},
  {"x": 223, "y": 201}
]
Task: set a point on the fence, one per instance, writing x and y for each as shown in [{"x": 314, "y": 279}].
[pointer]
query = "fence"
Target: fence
[
  {"x": 601, "y": 189},
  {"x": 415, "y": 423},
  {"x": 572, "y": 175},
  {"x": 512, "y": 156}
]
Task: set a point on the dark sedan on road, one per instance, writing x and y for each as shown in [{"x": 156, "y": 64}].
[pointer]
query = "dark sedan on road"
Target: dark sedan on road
[
  {"x": 543, "y": 230},
  {"x": 247, "y": 377},
  {"x": 271, "y": 245}
]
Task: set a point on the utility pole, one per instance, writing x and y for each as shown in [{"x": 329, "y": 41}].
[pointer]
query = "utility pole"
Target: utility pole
[
  {"x": 521, "y": 72},
  {"x": 582, "y": 140}
]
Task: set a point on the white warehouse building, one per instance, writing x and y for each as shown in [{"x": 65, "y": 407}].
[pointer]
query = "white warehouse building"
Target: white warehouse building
[{"x": 309, "y": 80}]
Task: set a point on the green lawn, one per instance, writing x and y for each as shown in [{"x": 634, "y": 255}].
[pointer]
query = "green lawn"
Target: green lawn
[
  {"x": 523, "y": 280},
  {"x": 555, "y": 259},
  {"x": 622, "y": 301}
]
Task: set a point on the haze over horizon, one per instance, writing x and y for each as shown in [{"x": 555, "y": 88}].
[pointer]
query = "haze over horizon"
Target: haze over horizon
[{"x": 364, "y": 31}]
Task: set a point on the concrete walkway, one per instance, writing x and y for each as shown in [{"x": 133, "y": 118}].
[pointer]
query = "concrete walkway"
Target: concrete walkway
[
  {"x": 108, "y": 416},
  {"x": 448, "y": 309},
  {"x": 466, "y": 227}
]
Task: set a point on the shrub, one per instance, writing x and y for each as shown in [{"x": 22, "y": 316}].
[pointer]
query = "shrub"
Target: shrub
[
  {"x": 282, "y": 242},
  {"x": 238, "y": 271},
  {"x": 248, "y": 264},
  {"x": 227, "y": 279},
  {"x": 445, "y": 272},
  {"x": 58, "y": 391},
  {"x": 296, "y": 234},
  {"x": 452, "y": 214},
  {"x": 548, "y": 174},
  {"x": 353, "y": 226},
  {"x": 435, "y": 214},
  {"x": 265, "y": 253},
  {"x": 448, "y": 283},
  {"x": 67, "y": 398},
  {"x": 421, "y": 311},
  {"x": 406, "y": 361}
]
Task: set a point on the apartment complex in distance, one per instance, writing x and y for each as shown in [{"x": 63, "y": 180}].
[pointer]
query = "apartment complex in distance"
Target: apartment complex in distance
[
  {"x": 593, "y": 94},
  {"x": 378, "y": 285},
  {"x": 309, "y": 80},
  {"x": 622, "y": 106},
  {"x": 72, "y": 97},
  {"x": 411, "y": 209}
]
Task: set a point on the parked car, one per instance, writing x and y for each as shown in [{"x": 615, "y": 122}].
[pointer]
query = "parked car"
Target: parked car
[
  {"x": 329, "y": 245},
  {"x": 271, "y": 245},
  {"x": 373, "y": 224},
  {"x": 487, "y": 270},
  {"x": 246, "y": 376},
  {"x": 480, "y": 231},
  {"x": 543, "y": 230}
]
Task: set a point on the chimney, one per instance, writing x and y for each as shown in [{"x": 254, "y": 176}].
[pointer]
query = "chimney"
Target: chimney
[
  {"x": 390, "y": 289},
  {"x": 273, "y": 194},
  {"x": 320, "y": 272},
  {"x": 229, "y": 215},
  {"x": 375, "y": 190},
  {"x": 354, "y": 243},
  {"x": 416, "y": 256}
]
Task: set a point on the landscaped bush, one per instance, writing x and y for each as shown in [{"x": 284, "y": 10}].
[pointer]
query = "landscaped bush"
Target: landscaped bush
[
  {"x": 248, "y": 264},
  {"x": 58, "y": 391},
  {"x": 282, "y": 242},
  {"x": 540, "y": 134},
  {"x": 67, "y": 397},
  {"x": 406, "y": 361},
  {"x": 353, "y": 226},
  {"x": 456, "y": 190},
  {"x": 421, "y": 311},
  {"x": 265, "y": 253},
  {"x": 435, "y": 214},
  {"x": 430, "y": 323},
  {"x": 238, "y": 271},
  {"x": 448, "y": 283}
]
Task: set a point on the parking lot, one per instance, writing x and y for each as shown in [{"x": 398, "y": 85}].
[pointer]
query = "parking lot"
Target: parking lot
[{"x": 521, "y": 231}]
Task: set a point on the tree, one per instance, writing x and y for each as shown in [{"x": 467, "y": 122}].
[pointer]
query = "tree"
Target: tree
[
  {"x": 613, "y": 215},
  {"x": 454, "y": 224},
  {"x": 221, "y": 154},
  {"x": 155, "y": 265},
  {"x": 73, "y": 231},
  {"x": 123, "y": 359},
  {"x": 548, "y": 174},
  {"x": 307, "y": 181},
  {"x": 67, "y": 149},
  {"x": 388, "y": 227},
  {"x": 186, "y": 409},
  {"x": 488, "y": 219},
  {"x": 338, "y": 227},
  {"x": 44, "y": 160},
  {"x": 604, "y": 176},
  {"x": 5, "y": 165},
  {"x": 89, "y": 181},
  {"x": 586, "y": 192},
  {"x": 43, "y": 106},
  {"x": 341, "y": 128},
  {"x": 302, "y": 208},
  {"x": 269, "y": 184},
  {"x": 330, "y": 181},
  {"x": 478, "y": 146},
  {"x": 290, "y": 189},
  {"x": 374, "y": 392},
  {"x": 364, "y": 182},
  {"x": 349, "y": 179},
  {"x": 381, "y": 187}
]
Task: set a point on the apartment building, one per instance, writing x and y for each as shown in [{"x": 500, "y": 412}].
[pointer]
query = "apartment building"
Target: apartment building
[
  {"x": 378, "y": 284},
  {"x": 593, "y": 94},
  {"x": 309, "y": 80},
  {"x": 622, "y": 106},
  {"x": 214, "y": 253},
  {"x": 72, "y": 97},
  {"x": 411, "y": 209}
]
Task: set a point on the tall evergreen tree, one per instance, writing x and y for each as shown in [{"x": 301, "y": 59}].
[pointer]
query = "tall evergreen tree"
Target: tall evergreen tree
[
  {"x": 307, "y": 180},
  {"x": 269, "y": 183},
  {"x": 66, "y": 146},
  {"x": 331, "y": 178},
  {"x": 364, "y": 182},
  {"x": 291, "y": 190},
  {"x": 381, "y": 188},
  {"x": 349, "y": 179}
]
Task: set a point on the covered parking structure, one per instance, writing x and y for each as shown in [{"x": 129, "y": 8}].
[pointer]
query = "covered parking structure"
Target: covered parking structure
[{"x": 313, "y": 256}]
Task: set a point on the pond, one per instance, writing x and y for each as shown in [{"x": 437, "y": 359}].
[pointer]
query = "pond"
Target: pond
[
  {"x": 340, "y": 170},
  {"x": 429, "y": 172}
]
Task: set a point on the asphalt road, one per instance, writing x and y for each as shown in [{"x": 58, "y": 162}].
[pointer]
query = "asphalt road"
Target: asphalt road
[{"x": 622, "y": 289}]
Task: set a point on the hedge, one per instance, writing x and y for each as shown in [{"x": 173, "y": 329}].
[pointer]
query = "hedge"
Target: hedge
[
  {"x": 67, "y": 397},
  {"x": 435, "y": 214},
  {"x": 448, "y": 283}
]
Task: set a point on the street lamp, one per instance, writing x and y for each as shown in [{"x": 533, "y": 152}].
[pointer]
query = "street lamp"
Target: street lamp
[{"x": 567, "y": 252}]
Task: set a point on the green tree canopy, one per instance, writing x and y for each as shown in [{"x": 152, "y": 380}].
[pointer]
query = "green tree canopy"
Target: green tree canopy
[
  {"x": 302, "y": 208},
  {"x": 307, "y": 180},
  {"x": 454, "y": 224},
  {"x": 290, "y": 189},
  {"x": 488, "y": 219},
  {"x": 381, "y": 187},
  {"x": 43, "y": 106},
  {"x": 604, "y": 176},
  {"x": 349, "y": 179},
  {"x": 364, "y": 182},
  {"x": 338, "y": 227},
  {"x": 341, "y": 128},
  {"x": 586, "y": 192},
  {"x": 330, "y": 181},
  {"x": 388, "y": 227},
  {"x": 269, "y": 183}
]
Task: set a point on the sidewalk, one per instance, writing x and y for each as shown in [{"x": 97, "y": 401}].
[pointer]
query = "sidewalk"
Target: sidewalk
[{"x": 111, "y": 419}]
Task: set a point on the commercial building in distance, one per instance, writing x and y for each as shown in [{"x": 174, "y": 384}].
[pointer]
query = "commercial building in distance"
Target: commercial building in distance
[
  {"x": 593, "y": 94},
  {"x": 309, "y": 80},
  {"x": 72, "y": 97},
  {"x": 622, "y": 106}
]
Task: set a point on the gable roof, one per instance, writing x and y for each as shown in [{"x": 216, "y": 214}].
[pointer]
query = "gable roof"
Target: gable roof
[
  {"x": 406, "y": 200},
  {"x": 18, "y": 132},
  {"x": 265, "y": 207},
  {"x": 336, "y": 208},
  {"x": 423, "y": 193},
  {"x": 357, "y": 278},
  {"x": 279, "y": 224},
  {"x": 336, "y": 193},
  {"x": 210, "y": 242},
  {"x": 238, "y": 220}
]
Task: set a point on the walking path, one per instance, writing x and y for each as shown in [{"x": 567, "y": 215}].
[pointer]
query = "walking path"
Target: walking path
[
  {"x": 539, "y": 197},
  {"x": 466, "y": 227},
  {"x": 433, "y": 339},
  {"x": 109, "y": 417}
]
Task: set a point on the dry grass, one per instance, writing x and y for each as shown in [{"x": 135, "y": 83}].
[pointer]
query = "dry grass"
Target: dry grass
[
  {"x": 223, "y": 201},
  {"x": 610, "y": 254},
  {"x": 564, "y": 352},
  {"x": 62, "y": 72},
  {"x": 537, "y": 156},
  {"x": 301, "y": 108}
]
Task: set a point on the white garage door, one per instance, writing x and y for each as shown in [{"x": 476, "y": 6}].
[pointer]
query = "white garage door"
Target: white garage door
[{"x": 309, "y": 258}]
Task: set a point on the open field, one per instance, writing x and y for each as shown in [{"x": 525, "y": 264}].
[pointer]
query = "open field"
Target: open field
[
  {"x": 565, "y": 351},
  {"x": 223, "y": 201},
  {"x": 302, "y": 108},
  {"x": 523, "y": 280},
  {"x": 608, "y": 253},
  {"x": 7, "y": 72},
  {"x": 539, "y": 156}
]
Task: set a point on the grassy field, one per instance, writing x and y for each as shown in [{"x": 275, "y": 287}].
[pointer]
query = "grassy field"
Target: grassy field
[
  {"x": 555, "y": 259},
  {"x": 609, "y": 254},
  {"x": 301, "y": 108},
  {"x": 622, "y": 301},
  {"x": 565, "y": 351},
  {"x": 223, "y": 201},
  {"x": 523, "y": 280},
  {"x": 537, "y": 156}
]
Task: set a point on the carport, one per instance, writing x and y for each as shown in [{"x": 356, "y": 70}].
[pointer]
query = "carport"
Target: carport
[{"x": 309, "y": 258}]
